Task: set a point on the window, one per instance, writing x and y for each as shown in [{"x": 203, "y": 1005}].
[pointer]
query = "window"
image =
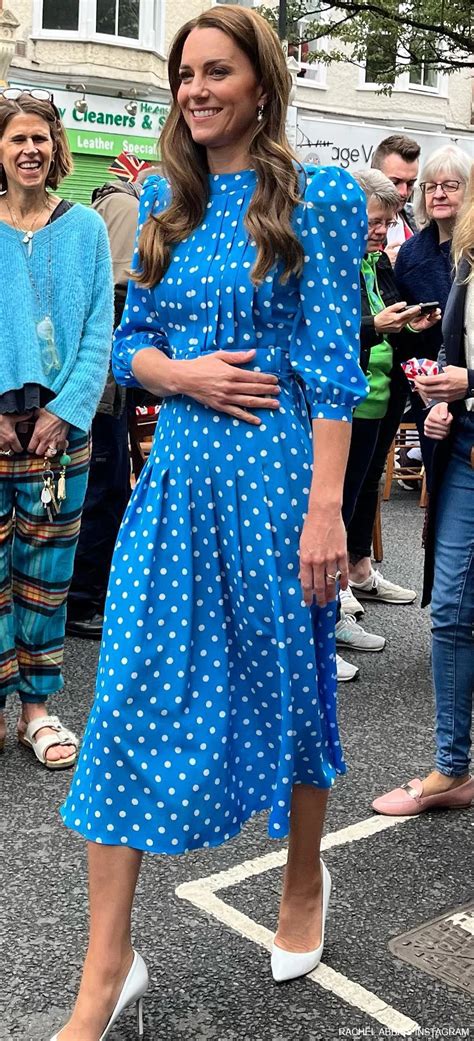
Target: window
[
  {"x": 129, "y": 22},
  {"x": 64, "y": 16},
  {"x": 311, "y": 72},
  {"x": 379, "y": 62},
  {"x": 118, "y": 18},
  {"x": 422, "y": 75}
]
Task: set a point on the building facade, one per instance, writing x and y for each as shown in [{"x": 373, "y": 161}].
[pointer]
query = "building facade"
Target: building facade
[
  {"x": 341, "y": 113},
  {"x": 105, "y": 63},
  {"x": 338, "y": 113}
]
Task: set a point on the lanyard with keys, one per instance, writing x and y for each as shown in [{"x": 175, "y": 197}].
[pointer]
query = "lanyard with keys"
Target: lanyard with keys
[{"x": 53, "y": 497}]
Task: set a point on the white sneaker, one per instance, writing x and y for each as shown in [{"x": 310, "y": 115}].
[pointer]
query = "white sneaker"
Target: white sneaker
[
  {"x": 350, "y": 634},
  {"x": 345, "y": 670},
  {"x": 349, "y": 604},
  {"x": 376, "y": 587}
]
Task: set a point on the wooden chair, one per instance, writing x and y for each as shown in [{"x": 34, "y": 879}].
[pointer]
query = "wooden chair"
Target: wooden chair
[
  {"x": 395, "y": 473},
  {"x": 377, "y": 541},
  {"x": 140, "y": 434}
]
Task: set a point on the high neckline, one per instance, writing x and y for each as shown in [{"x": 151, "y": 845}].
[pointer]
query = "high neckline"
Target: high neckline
[{"x": 221, "y": 184}]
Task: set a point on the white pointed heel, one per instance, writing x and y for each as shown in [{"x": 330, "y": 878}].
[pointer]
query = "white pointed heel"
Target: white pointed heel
[
  {"x": 287, "y": 965},
  {"x": 140, "y": 1027},
  {"x": 132, "y": 993}
]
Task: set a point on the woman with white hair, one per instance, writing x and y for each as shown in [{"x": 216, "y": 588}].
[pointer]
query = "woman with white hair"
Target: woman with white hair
[{"x": 424, "y": 269}]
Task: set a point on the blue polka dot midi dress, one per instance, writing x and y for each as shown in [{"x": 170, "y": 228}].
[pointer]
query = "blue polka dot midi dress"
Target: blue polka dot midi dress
[{"x": 216, "y": 688}]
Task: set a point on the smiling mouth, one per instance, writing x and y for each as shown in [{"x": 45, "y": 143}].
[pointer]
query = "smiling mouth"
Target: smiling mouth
[
  {"x": 205, "y": 113},
  {"x": 31, "y": 165}
]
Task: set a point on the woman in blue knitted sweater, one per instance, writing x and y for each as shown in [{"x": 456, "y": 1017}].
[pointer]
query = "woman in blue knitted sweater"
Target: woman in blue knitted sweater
[{"x": 55, "y": 337}]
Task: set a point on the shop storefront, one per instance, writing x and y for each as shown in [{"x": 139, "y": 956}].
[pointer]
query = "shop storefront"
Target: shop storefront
[
  {"x": 109, "y": 127},
  {"x": 324, "y": 140}
]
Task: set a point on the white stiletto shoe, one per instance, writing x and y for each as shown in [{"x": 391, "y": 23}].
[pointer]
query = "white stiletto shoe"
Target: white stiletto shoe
[
  {"x": 288, "y": 965},
  {"x": 132, "y": 993}
]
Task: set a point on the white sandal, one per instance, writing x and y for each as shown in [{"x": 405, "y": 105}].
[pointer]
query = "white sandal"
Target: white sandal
[{"x": 41, "y": 746}]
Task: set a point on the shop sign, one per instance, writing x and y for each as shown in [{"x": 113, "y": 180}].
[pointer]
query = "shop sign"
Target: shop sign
[
  {"x": 351, "y": 145},
  {"x": 106, "y": 128}
]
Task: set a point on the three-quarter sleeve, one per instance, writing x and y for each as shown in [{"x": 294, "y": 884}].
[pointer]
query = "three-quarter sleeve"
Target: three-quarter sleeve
[
  {"x": 140, "y": 326},
  {"x": 331, "y": 223}
]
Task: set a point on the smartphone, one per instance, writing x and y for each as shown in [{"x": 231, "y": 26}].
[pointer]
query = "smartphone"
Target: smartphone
[{"x": 429, "y": 307}]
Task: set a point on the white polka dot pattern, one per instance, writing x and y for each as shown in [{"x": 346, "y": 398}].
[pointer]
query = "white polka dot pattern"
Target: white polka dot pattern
[{"x": 217, "y": 686}]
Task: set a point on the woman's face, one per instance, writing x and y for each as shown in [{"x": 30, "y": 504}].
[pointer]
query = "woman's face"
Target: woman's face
[
  {"x": 441, "y": 204},
  {"x": 379, "y": 220},
  {"x": 219, "y": 93},
  {"x": 26, "y": 152}
]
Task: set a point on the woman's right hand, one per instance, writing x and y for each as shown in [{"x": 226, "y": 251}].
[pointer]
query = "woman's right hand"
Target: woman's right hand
[
  {"x": 8, "y": 439},
  {"x": 438, "y": 421},
  {"x": 394, "y": 318},
  {"x": 216, "y": 380}
]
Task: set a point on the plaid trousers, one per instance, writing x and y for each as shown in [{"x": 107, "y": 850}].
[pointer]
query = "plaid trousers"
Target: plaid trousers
[{"x": 36, "y": 565}]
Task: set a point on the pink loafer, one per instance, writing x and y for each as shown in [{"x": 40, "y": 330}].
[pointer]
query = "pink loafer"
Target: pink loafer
[{"x": 409, "y": 799}]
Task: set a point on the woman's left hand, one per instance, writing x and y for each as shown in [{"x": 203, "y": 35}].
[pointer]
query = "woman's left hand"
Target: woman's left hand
[
  {"x": 323, "y": 552},
  {"x": 425, "y": 321},
  {"x": 50, "y": 433},
  {"x": 449, "y": 385}
]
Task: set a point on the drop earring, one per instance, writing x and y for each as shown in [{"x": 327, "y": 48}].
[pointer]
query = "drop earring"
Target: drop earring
[{"x": 260, "y": 111}]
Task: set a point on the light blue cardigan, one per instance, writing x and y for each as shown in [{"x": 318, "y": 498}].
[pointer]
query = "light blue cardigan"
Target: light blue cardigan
[{"x": 82, "y": 312}]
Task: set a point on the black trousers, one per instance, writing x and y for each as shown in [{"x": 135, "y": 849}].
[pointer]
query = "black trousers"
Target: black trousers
[
  {"x": 107, "y": 495},
  {"x": 364, "y": 437},
  {"x": 359, "y": 531}
]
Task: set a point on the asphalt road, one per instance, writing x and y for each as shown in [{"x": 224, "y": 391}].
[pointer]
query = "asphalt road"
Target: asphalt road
[{"x": 208, "y": 980}]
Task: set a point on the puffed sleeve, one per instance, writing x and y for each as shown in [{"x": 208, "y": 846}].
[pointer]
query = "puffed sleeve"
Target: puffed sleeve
[
  {"x": 140, "y": 326},
  {"x": 331, "y": 223}
]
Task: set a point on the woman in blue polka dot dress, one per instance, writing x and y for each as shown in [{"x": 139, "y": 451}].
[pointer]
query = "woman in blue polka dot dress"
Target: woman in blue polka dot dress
[{"x": 216, "y": 691}]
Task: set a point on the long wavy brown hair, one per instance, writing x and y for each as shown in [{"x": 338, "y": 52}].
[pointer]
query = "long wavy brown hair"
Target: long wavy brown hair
[
  {"x": 268, "y": 218},
  {"x": 463, "y": 236}
]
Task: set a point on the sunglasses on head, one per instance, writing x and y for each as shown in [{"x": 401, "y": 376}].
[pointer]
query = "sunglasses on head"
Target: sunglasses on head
[{"x": 38, "y": 93}]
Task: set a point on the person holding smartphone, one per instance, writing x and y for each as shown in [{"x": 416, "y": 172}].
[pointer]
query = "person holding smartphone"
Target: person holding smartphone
[{"x": 387, "y": 337}]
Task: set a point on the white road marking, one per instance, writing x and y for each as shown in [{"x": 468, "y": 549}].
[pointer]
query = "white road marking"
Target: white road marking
[
  {"x": 232, "y": 876},
  {"x": 202, "y": 893}
]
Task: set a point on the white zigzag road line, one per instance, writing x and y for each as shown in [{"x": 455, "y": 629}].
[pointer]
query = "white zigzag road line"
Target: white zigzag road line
[{"x": 202, "y": 893}]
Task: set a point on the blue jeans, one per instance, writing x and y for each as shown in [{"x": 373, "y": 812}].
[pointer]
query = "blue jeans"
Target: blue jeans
[{"x": 452, "y": 607}]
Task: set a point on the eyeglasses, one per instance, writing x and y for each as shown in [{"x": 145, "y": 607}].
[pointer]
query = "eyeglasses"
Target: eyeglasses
[
  {"x": 38, "y": 93},
  {"x": 381, "y": 224},
  {"x": 429, "y": 187}
]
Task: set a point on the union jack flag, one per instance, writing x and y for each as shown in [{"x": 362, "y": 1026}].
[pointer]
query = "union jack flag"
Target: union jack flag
[{"x": 127, "y": 166}]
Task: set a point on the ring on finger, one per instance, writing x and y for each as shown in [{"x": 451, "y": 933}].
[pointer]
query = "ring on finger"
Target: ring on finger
[{"x": 333, "y": 578}]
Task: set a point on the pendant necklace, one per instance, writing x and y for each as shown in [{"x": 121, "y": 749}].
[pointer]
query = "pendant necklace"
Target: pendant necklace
[
  {"x": 27, "y": 234},
  {"x": 44, "y": 326}
]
